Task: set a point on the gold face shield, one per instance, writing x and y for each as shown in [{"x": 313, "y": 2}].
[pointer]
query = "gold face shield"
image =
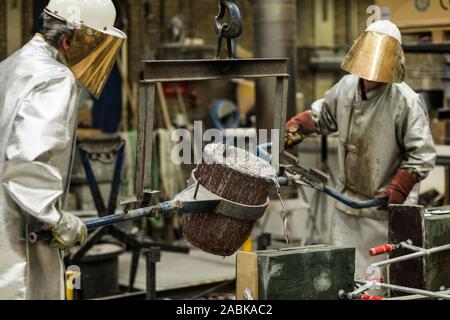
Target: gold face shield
[
  {"x": 92, "y": 56},
  {"x": 376, "y": 57}
]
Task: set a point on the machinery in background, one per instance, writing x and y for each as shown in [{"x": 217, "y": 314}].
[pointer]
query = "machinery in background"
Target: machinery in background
[{"x": 275, "y": 33}]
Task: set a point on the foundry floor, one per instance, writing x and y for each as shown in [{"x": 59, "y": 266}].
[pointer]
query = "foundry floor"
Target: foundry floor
[{"x": 178, "y": 271}]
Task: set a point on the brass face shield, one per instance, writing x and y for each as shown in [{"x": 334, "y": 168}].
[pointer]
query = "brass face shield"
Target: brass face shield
[
  {"x": 92, "y": 56},
  {"x": 376, "y": 57}
]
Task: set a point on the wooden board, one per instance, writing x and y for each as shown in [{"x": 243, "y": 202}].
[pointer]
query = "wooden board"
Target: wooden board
[{"x": 246, "y": 274}]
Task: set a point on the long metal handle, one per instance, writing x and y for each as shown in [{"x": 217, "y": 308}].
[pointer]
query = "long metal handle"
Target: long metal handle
[
  {"x": 92, "y": 224},
  {"x": 423, "y": 253},
  {"x": 376, "y": 203}
]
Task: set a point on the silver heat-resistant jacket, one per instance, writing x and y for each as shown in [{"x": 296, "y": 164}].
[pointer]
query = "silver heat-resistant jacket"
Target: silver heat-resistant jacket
[
  {"x": 38, "y": 102},
  {"x": 378, "y": 135}
]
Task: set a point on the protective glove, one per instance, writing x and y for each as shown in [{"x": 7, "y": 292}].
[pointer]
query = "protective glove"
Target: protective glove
[
  {"x": 69, "y": 231},
  {"x": 303, "y": 124},
  {"x": 400, "y": 187},
  {"x": 293, "y": 139}
]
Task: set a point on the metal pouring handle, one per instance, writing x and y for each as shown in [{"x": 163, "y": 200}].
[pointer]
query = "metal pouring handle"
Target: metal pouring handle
[
  {"x": 92, "y": 224},
  {"x": 375, "y": 203}
]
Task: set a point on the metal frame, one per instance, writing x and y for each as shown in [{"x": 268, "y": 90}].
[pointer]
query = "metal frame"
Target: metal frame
[
  {"x": 418, "y": 253},
  {"x": 201, "y": 70},
  {"x": 197, "y": 70},
  {"x": 377, "y": 285}
]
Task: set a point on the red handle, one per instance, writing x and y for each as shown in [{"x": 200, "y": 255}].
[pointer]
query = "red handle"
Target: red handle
[
  {"x": 381, "y": 250},
  {"x": 368, "y": 297}
]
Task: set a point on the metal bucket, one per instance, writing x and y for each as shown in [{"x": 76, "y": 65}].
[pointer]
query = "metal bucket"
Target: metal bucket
[
  {"x": 100, "y": 271},
  {"x": 219, "y": 234}
]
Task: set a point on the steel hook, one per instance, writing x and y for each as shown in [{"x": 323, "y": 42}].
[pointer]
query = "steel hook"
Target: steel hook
[{"x": 230, "y": 30}]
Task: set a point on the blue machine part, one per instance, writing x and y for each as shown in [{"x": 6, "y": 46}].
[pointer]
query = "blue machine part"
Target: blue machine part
[
  {"x": 107, "y": 111},
  {"x": 225, "y": 115}
]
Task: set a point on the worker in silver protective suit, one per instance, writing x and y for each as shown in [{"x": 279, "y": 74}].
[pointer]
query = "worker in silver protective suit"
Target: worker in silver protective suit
[
  {"x": 385, "y": 143},
  {"x": 39, "y": 89}
]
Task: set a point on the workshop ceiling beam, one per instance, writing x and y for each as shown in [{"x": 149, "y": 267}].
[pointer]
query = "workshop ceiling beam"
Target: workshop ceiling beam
[{"x": 200, "y": 70}]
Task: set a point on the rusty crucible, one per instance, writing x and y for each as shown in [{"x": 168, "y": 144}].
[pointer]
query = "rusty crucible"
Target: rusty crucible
[{"x": 237, "y": 176}]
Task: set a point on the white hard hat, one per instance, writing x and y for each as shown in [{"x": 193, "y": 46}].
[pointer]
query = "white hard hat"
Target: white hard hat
[
  {"x": 99, "y": 15},
  {"x": 95, "y": 44},
  {"x": 386, "y": 27},
  {"x": 377, "y": 55}
]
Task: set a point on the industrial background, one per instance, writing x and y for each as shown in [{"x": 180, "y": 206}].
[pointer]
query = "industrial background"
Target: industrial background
[{"x": 323, "y": 29}]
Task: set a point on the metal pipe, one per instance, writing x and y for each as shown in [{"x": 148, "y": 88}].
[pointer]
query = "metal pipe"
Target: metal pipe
[
  {"x": 415, "y": 255},
  {"x": 415, "y": 297},
  {"x": 92, "y": 224},
  {"x": 275, "y": 34},
  {"x": 438, "y": 249},
  {"x": 399, "y": 259},
  {"x": 378, "y": 285},
  {"x": 409, "y": 246},
  {"x": 164, "y": 207},
  {"x": 375, "y": 203},
  {"x": 153, "y": 255},
  {"x": 354, "y": 294}
]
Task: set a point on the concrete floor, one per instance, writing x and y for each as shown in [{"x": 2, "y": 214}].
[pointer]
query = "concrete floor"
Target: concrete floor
[{"x": 177, "y": 271}]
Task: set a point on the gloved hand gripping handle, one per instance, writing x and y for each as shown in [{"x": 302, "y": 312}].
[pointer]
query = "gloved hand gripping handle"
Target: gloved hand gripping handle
[
  {"x": 92, "y": 224},
  {"x": 375, "y": 203}
]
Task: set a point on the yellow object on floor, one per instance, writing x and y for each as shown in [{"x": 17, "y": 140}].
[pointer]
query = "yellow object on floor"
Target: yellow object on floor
[
  {"x": 70, "y": 277},
  {"x": 248, "y": 246}
]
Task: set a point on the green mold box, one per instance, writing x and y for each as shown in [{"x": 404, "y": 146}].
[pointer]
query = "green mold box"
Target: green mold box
[{"x": 306, "y": 273}]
